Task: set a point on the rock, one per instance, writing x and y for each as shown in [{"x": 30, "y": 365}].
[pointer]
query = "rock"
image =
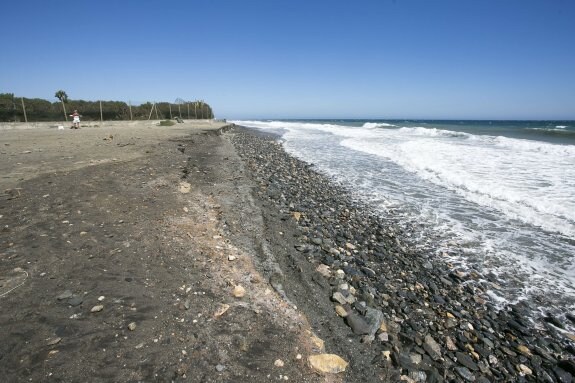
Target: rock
[
  {"x": 221, "y": 310},
  {"x": 524, "y": 350},
  {"x": 97, "y": 308},
  {"x": 220, "y": 367},
  {"x": 342, "y": 299},
  {"x": 238, "y": 291},
  {"x": 75, "y": 300},
  {"x": 341, "y": 311},
  {"x": 358, "y": 325},
  {"x": 554, "y": 321},
  {"x": 318, "y": 343},
  {"x": 184, "y": 187},
  {"x": 132, "y": 326},
  {"x": 53, "y": 341},
  {"x": 374, "y": 319},
  {"x": 432, "y": 348},
  {"x": 323, "y": 270},
  {"x": 327, "y": 363},
  {"x": 279, "y": 363},
  {"x": 562, "y": 375},
  {"x": 450, "y": 344},
  {"x": 466, "y": 361},
  {"x": 383, "y": 337},
  {"x": 567, "y": 365},
  {"x": 465, "y": 374},
  {"x": 65, "y": 295},
  {"x": 524, "y": 370}
]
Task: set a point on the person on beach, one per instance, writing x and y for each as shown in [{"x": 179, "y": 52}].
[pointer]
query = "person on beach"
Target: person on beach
[{"x": 75, "y": 120}]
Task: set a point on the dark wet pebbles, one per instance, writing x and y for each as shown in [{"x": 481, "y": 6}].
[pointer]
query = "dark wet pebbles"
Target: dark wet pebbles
[{"x": 414, "y": 301}]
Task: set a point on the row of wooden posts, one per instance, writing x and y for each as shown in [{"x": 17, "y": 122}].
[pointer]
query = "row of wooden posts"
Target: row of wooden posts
[{"x": 129, "y": 106}]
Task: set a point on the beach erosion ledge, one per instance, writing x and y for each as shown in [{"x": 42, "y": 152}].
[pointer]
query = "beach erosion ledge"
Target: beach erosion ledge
[{"x": 211, "y": 253}]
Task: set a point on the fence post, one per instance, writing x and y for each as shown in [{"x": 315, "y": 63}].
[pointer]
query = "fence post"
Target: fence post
[
  {"x": 24, "y": 108},
  {"x": 101, "y": 115},
  {"x": 130, "y": 106}
]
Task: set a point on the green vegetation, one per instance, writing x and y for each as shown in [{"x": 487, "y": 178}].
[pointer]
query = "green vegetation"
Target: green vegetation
[
  {"x": 167, "y": 123},
  {"x": 42, "y": 110}
]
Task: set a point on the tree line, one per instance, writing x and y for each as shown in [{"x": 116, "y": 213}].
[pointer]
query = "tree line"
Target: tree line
[{"x": 15, "y": 109}]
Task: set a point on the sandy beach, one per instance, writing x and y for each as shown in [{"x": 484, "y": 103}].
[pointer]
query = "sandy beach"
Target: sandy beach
[
  {"x": 202, "y": 252},
  {"x": 118, "y": 263}
]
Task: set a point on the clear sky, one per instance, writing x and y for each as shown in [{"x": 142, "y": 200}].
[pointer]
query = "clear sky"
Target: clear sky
[{"x": 477, "y": 59}]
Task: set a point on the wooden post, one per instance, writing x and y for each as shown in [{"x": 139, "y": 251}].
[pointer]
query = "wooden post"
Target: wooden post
[
  {"x": 188, "y": 104},
  {"x": 101, "y": 114},
  {"x": 24, "y": 108},
  {"x": 179, "y": 110},
  {"x": 156, "y": 107},
  {"x": 170, "y": 106},
  {"x": 151, "y": 110},
  {"x": 130, "y": 106}
]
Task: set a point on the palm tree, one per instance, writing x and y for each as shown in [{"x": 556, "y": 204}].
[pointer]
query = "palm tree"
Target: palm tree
[{"x": 63, "y": 97}]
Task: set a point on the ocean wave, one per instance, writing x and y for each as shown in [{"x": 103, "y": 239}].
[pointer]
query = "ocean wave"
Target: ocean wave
[
  {"x": 534, "y": 146},
  {"x": 371, "y": 125},
  {"x": 556, "y": 131},
  {"x": 434, "y": 132}
]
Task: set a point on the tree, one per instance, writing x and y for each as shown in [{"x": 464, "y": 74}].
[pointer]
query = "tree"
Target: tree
[{"x": 63, "y": 97}]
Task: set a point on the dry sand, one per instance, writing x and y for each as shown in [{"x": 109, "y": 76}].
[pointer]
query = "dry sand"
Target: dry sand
[{"x": 127, "y": 254}]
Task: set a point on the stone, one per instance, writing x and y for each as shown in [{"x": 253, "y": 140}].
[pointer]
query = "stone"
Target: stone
[
  {"x": 53, "y": 341},
  {"x": 524, "y": 350},
  {"x": 184, "y": 187},
  {"x": 75, "y": 300},
  {"x": 220, "y": 367},
  {"x": 465, "y": 374},
  {"x": 323, "y": 270},
  {"x": 238, "y": 291},
  {"x": 328, "y": 363},
  {"x": 341, "y": 311},
  {"x": 432, "y": 348},
  {"x": 358, "y": 325},
  {"x": 279, "y": 363},
  {"x": 466, "y": 361},
  {"x": 132, "y": 326},
  {"x": 65, "y": 295},
  {"x": 318, "y": 343},
  {"x": 450, "y": 344},
  {"x": 524, "y": 370},
  {"x": 374, "y": 319},
  {"x": 97, "y": 308},
  {"x": 221, "y": 310}
]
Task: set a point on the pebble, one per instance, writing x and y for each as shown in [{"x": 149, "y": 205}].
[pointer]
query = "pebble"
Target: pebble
[
  {"x": 65, "y": 295},
  {"x": 97, "y": 308},
  {"x": 422, "y": 298},
  {"x": 132, "y": 326},
  {"x": 328, "y": 363},
  {"x": 239, "y": 291}
]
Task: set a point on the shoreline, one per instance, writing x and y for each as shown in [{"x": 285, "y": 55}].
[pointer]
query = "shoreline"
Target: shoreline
[
  {"x": 418, "y": 295},
  {"x": 234, "y": 262}
]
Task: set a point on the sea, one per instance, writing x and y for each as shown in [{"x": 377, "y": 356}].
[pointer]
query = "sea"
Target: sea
[{"x": 497, "y": 197}]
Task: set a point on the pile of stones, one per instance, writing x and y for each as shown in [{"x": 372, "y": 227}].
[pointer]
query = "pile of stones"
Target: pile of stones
[{"x": 430, "y": 322}]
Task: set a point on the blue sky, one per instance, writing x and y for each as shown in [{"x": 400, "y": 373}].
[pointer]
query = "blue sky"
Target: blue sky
[{"x": 477, "y": 59}]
